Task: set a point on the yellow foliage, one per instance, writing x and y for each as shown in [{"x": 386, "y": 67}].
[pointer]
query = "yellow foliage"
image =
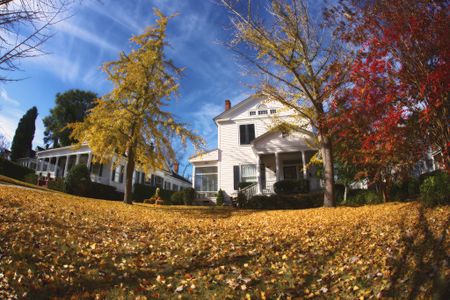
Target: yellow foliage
[
  {"x": 130, "y": 119},
  {"x": 65, "y": 246}
]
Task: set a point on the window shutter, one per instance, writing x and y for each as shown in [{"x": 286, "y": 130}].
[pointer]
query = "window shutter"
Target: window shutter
[
  {"x": 152, "y": 180},
  {"x": 113, "y": 174},
  {"x": 251, "y": 133},
  {"x": 100, "y": 172},
  {"x": 236, "y": 177},
  {"x": 242, "y": 135}
]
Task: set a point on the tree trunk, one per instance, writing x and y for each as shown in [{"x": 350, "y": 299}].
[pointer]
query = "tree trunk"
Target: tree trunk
[
  {"x": 128, "y": 195},
  {"x": 328, "y": 167}
]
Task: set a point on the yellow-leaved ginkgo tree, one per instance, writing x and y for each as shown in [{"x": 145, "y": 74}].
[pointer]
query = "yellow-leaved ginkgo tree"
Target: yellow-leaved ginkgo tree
[{"x": 130, "y": 120}]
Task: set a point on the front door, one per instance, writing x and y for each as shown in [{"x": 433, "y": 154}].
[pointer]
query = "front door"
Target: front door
[{"x": 290, "y": 173}]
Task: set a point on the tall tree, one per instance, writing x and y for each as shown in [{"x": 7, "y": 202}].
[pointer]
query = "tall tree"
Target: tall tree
[
  {"x": 302, "y": 64},
  {"x": 130, "y": 120},
  {"x": 70, "y": 106},
  {"x": 23, "y": 138},
  {"x": 413, "y": 37},
  {"x": 24, "y": 27},
  {"x": 4, "y": 145},
  {"x": 373, "y": 130}
]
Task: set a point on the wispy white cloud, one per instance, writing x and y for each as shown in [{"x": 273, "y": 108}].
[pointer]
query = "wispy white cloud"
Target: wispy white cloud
[
  {"x": 6, "y": 98},
  {"x": 87, "y": 36}
]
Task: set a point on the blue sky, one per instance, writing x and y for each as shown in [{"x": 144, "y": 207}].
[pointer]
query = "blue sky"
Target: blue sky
[{"x": 96, "y": 33}]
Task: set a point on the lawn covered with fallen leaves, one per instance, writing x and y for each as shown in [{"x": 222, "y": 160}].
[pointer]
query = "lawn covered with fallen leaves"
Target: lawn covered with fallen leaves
[{"x": 52, "y": 245}]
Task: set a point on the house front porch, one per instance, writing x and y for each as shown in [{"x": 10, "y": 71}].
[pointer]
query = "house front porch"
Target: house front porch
[{"x": 285, "y": 166}]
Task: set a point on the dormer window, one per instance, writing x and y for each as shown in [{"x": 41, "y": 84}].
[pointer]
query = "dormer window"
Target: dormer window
[
  {"x": 273, "y": 111},
  {"x": 262, "y": 112},
  {"x": 253, "y": 113}
]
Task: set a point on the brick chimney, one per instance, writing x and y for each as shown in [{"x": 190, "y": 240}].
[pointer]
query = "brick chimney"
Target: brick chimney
[
  {"x": 176, "y": 166},
  {"x": 227, "y": 104}
]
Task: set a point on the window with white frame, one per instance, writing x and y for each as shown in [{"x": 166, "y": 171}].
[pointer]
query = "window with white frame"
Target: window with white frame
[
  {"x": 253, "y": 113},
  {"x": 206, "y": 179},
  {"x": 167, "y": 186},
  {"x": 273, "y": 111},
  {"x": 262, "y": 112},
  {"x": 248, "y": 173}
]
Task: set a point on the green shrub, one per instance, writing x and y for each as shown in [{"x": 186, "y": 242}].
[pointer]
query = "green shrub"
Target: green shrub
[
  {"x": 404, "y": 190},
  {"x": 435, "y": 189},
  {"x": 241, "y": 200},
  {"x": 339, "y": 190},
  {"x": 31, "y": 178},
  {"x": 188, "y": 196},
  {"x": 142, "y": 191},
  {"x": 103, "y": 191},
  {"x": 361, "y": 197},
  {"x": 243, "y": 185},
  {"x": 177, "y": 198},
  {"x": 78, "y": 181},
  {"x": 299, "y": 201},
  {"x": 413, "y": 187},
  {"x": 220, "y": 198},
  {"x": 13, "y": 170},
  {"x": 300, "y": 186},
  {"x": 57, "y": 185}
]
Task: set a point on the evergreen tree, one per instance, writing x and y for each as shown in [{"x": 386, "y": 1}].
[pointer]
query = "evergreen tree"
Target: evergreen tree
[
  {"x": 23, "y": 138},
  {"x": 70, "y": 106}
]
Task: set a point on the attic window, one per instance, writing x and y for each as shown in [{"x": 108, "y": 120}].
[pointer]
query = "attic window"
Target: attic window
[
  {"x": 262, "y": 112},
  {"x": 273, "y": 111},
  {"x": 253, "y": 113}
]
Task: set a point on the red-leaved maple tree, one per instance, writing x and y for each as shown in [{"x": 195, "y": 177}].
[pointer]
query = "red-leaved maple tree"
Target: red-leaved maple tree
[{"x": 396, "y": 104}]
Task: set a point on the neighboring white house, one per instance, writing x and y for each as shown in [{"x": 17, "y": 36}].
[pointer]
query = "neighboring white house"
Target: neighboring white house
[
  {"x": 251, "y": 149},
  {"x": 57, "y": 161}
]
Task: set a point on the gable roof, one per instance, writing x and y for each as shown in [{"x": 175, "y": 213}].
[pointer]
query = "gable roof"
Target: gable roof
[
  {"x": 236, "y": 107},
  {"x": 177, "y": 176}
]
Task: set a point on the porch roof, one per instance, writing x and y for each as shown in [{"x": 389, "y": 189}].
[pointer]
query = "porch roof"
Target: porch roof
[
  {"x": 211, "y": 155},
  {"x": 276, "y": 141}
]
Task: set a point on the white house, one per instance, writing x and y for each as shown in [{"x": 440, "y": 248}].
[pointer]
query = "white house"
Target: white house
[
  {"x": 251, "y": 149},
  {"x": 57, "y": 162}
]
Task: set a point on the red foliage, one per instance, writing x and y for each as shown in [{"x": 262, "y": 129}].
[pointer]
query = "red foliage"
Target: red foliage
[{"x": 398, "y": 93}]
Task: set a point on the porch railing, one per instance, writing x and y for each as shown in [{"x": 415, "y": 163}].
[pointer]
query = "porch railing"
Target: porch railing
[
  {"x": 268, "y": 189},
  {"x": 250, "y": 191}
]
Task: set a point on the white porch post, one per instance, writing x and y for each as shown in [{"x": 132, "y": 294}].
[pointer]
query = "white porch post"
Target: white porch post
[
  {"x": 305, "y": 174},
  {"x": 258, "y": 173},
  {"x": 66, "y": 167},
  {"x": 56, "y": 166},
  {"x": 77, "y": 160},
  {"x": 89, "y": 160},
  {"x": 277, "y": 166},
  {"x": 193, "y": 176}
]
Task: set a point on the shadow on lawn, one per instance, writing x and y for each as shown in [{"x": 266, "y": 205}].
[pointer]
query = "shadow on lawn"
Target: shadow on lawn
[{"x": 423, "y": 261}]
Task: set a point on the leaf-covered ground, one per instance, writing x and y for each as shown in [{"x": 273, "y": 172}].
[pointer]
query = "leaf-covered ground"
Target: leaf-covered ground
[{"x": 52, "y": 245}]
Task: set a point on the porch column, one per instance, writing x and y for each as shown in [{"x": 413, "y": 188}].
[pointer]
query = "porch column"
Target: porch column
[
  {"x": 77, "y": 160},
  {"x": 258, "y": 173},
  {"x": 193, "y": 176},
  {"x": 305, "y": 174},
  {"x": 277, "y": 166},
  {"x": 56, "y": 166},
  {"x": 66, "y": 167},
  {"x": 89, "y": 161}
]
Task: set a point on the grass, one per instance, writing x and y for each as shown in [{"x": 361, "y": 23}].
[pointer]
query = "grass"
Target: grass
[
  {"x": 8, "y": 180},
  {"x": 56, "y": 245}
]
